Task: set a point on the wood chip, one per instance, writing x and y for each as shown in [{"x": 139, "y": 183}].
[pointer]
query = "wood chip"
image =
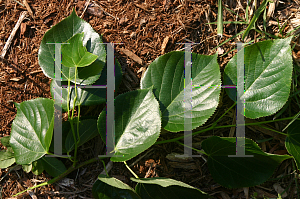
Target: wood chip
[
  {"x": 133, "y": 56},
  {"x": 15, "y": 79},
  {"x": 36, "y": 71},
  {"x": 164, "y": 44},
  {"x": 23, "y": 28}
]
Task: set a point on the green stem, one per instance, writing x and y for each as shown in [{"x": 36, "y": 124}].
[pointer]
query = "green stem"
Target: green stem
[
  {"x": 131, "y": 170},
  {"x": 216, "y": 122},
  {"x": 49, "y": 153},
  {"x": 105, "y": 168},
  {"x": 61, "y": 176},
  {"x": 200, "y": 151},
  {"x": 220, "y": 127},
  {"x": 72, "y": 126}
]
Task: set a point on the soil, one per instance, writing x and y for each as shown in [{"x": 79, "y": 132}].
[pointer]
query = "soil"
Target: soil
[{"x": 147, "y": 29}]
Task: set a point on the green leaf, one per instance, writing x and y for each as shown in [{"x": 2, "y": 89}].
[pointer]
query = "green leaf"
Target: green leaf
[
  {"x": 109, "y": 187},
  {"x": 166, "y": 74},
  {"x": 5, "y": 141},
  {"x": 75, "y": 54},
  {"x": 6, "y": 159},
  {"x": 62, "y": 32},
  {"x": 137, "y": 123},
  {"x": 53, "y": 166},
  {"x": 86, "y": 96},
  {"x": 292, "y": 141},
  {"x": 268, "y": 76},
  {"x": 237, "y": 172},
  {"x": 166, "y": 188},
  {"x": 87, "y": 131},
  {"x": 32, "y": 129},
  {"x": 37, "y": 167},
  {"x": 255, "y": 17},
  {"x": 27, "y": 167}
]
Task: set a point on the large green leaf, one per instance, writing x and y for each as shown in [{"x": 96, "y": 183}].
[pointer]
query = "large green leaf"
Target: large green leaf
[
  {"x": 137, "y": 123},
  {"x": 166, "y": 188},
  {"x": 236, "y": 172},
  {"x": 53, "y": 166},
  {"x": 112, "y": 188},
  {"x": 268, "y": 75},
  {"x": 62, "y": 32},
  {"x": 75, "y": 54},
  {"x": 292, "y": 141},
  {"x": 166, "y": 73},
  {"x": 87, "y": 131},
  {"x": 86, "y": 96},
  {"x": 6, "y": 159},
  {"x": 32, "y": 129}
]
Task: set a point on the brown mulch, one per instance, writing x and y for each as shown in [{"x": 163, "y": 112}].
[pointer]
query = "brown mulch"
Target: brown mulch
[{"x": 148, "y": 29}]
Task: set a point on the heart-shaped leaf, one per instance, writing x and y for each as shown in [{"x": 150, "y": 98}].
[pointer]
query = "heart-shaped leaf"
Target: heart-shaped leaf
[
  {"x": 62, "y": 32},
  {"x": 268, "y": 76},
  {"x": 75, "y": 54},
  {"x": 166, "y": 188},
  {"x": 87, "y": 131},
  {"x": 32, "y": 129},
  {"x": 292, "y": 141},
  {"x": 85, "y": 96},
  {"x": 53, "y": 166},
  {"x": 236, "y": 172},
  {"x": 112, "y": 188},
  {"x": 6, "y": 159},
  {"x": 166, "y": 74},
  {"x": 137, "y": 123}
]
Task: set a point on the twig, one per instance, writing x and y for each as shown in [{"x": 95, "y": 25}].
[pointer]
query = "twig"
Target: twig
[
  {"x": 28, "y": 8},
  {"x": 12, "y": 34}
]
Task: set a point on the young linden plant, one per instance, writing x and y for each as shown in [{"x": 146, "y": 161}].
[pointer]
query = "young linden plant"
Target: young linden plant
[{"x": 141, "y": 114}]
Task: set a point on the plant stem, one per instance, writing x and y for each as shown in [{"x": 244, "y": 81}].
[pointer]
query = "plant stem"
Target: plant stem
[
  {"x": 220, "y": 127},
  {"x": 48, "y": 153},
  {"x": 215, "y": 123},
  {"x": 61, "y": 176},
  {"x": 200, "y": 151},
  {"x": 134, "y": 174},
  {"x": 72, "y": 126}
]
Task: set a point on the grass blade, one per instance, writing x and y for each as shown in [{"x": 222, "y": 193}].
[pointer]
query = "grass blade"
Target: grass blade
[{"x": 255, "y": 17}]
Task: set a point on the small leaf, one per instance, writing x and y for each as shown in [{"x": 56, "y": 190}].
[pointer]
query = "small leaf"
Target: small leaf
[
  {"x": 5, "y": 141},
  {"x": 6, "y": 159},
  {"x": 75, "y": 54},
  {"x": 268, "y": 76},
  {"x": 62, "y": 32},
  {"x": 87, "y": 131},
  {"x": 32, "y": 129},
  {"x": 137, "y": 123},
  {"x": 292, "y": 142},
  {"x": 166, "y": 188},
  {"x": 27, "y": 167},
  {"x": 53, "y": 166},
  {"x": 112, "y": 188},
  {"x": 37, "y": 167},
  {"x": 237, "y": 172},
  {"x": 166, "y": 74},
  {"x": 85, "y": 96}
]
